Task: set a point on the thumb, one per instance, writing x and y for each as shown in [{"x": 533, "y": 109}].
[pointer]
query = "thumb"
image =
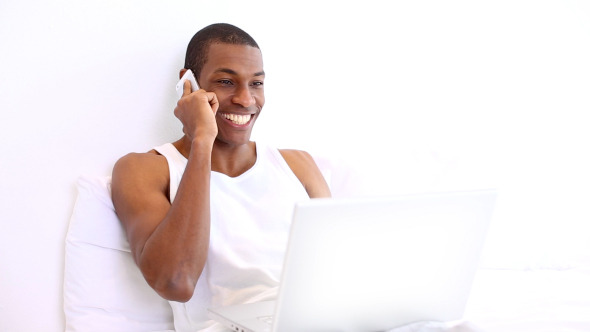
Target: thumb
[{"x": 186, "y": 88}]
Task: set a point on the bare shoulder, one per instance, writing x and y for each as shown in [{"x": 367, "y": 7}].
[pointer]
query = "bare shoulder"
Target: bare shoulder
[
  {"x": 141, "y": 161},
  {"x": 297, "y": 157},
  {"x": 148, "y": 167},
  {"x": 306, "y": 170},
  {"x": 137, "y": 176}
]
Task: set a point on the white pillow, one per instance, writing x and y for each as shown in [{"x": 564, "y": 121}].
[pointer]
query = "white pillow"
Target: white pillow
[{"x": 103, "y": 288}]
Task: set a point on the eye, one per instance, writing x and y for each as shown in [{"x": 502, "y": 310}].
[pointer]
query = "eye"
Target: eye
[
  {"x": 258, "y": 83},
  {"x": 226, "y": 82}
]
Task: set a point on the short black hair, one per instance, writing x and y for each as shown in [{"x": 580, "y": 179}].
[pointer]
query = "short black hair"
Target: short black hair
[{"x": 224, "y": 33}]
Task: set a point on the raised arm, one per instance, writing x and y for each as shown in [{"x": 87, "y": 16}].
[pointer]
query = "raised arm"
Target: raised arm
[{"x": 169, "y": 242}]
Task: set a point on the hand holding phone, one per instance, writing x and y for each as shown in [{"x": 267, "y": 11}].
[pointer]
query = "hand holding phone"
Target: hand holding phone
[
  {"x": 188, "y": 75},
  {"x": 196, "y": 113}
]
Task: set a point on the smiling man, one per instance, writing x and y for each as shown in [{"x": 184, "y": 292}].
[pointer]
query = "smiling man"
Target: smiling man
[{"x": 207, "y": 217}]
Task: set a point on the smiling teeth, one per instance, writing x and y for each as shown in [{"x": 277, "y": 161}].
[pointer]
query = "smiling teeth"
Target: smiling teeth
[{"x": 237, "y": 119}]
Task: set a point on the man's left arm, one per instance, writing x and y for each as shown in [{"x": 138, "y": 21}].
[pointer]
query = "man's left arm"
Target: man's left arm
[{"x": 307, "y": 171}]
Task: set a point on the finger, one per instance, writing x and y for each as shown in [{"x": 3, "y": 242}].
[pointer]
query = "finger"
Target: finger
[
  {"x": 186, "y": 88},
  {"x": 212, "y": 99}
]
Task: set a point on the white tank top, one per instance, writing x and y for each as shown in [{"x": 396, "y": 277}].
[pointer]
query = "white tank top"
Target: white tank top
[{"x": 250, "y": 221}]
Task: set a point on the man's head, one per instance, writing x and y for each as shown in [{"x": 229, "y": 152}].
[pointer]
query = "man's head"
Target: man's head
[
  {"x": 223, "y": 33},
  {"x": 228, "y": 62}
]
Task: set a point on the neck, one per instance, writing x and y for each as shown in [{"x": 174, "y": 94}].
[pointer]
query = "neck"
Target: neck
[{"x": 229, "y": 159}]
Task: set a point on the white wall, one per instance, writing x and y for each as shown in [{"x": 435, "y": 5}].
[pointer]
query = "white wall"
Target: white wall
[{"x": 422, "y": 95}]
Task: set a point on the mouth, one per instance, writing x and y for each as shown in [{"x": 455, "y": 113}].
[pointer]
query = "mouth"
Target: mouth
[{"x": 237, "y": 119}]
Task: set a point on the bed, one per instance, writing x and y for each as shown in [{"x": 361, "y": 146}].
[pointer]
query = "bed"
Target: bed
[{"x": 104, "y": 291}]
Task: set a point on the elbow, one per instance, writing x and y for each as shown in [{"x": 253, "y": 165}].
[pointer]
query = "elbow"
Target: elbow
[
  {"x": 173, "y": 282},
  {"x": 173, "y": 286},
  {"x": 176, "y": 294},
  {"x": 177, "y": 289}
]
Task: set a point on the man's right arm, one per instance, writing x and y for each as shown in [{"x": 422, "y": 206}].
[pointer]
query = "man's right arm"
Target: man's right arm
[{"x": 169, "y": 241}]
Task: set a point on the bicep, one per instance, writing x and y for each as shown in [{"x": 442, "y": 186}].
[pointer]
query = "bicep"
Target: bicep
[{"x": 139, "y": 199}]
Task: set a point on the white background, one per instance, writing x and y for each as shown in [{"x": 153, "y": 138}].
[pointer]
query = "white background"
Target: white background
[{"x": 416, "y": 96}]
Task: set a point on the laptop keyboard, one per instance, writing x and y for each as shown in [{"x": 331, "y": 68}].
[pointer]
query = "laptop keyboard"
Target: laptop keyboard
[{"x": 266, "y": 319}]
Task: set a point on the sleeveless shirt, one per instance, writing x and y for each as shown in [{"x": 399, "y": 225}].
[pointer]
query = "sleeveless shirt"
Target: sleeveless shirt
[{"x": 250, "y": 222}]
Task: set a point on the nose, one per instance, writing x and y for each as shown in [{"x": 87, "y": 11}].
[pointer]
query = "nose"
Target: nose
[{"x": 243, "y": 97}]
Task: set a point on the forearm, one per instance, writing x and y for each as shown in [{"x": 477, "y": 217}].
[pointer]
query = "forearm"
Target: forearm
[{"x": 174, "y": 255}]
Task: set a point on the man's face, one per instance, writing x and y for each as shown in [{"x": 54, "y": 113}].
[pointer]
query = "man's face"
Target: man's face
[{"x": 235, "y": 74}]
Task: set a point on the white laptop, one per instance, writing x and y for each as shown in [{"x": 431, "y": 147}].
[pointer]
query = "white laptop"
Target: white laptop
[{"x": 373, "y": 264}]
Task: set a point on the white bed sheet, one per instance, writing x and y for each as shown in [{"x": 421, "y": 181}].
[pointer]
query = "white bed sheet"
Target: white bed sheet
[
  {"x": 533, "y": 300},
  {"x": 522, "y": 301}
]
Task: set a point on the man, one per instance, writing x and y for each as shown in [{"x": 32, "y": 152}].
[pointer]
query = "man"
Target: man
[{"x": 207, "y": 216}]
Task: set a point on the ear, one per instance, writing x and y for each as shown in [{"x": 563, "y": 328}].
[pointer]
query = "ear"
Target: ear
[{"x": 182, "y": 71}]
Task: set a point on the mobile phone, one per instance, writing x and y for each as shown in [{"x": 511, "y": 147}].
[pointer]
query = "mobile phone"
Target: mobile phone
[{"x": 188, "y": 75}]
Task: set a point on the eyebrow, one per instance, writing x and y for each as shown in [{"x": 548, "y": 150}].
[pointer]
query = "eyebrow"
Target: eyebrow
[{"x": 233, "y": 72}]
